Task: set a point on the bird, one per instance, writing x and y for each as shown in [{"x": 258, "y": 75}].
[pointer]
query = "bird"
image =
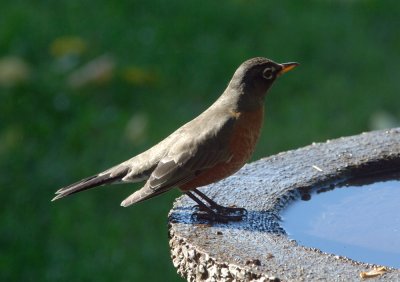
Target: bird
[{"x": 211, "y": 147}]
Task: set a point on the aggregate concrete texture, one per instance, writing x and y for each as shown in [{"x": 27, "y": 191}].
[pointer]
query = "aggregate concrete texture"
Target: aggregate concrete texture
[{"x": 257, "y": 248}]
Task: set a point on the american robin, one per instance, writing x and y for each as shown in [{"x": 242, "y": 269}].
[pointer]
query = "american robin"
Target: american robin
[{"x": 207, "y": 149}]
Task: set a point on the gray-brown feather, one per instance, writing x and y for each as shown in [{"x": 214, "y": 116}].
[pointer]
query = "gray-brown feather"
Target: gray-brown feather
[{"x": 193, "y": 151}]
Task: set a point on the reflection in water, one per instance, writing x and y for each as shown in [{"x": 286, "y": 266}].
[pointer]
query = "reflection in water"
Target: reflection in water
[{"x": 358, "y": 221}]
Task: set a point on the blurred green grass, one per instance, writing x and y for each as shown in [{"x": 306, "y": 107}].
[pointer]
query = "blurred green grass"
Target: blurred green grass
[{"x": 167, "y": 61}]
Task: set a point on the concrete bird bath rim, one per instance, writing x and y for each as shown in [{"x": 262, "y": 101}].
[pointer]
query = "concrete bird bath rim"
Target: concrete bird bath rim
[{"x": 257, "y": 248}]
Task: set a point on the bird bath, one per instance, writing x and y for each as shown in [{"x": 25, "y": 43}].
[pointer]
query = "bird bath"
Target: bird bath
[
  {"x": 262, "y": 247},
  {"x": 357, "y": 219}
]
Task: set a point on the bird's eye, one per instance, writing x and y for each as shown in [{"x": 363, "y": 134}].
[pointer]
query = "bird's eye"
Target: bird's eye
[{"x": 268, "y": 73}]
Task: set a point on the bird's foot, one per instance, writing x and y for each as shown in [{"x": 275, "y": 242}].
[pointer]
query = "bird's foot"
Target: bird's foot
[
  {"x": 222, "y": 210},
  {"x": 231, "y": 210},
  {"x": 200, "y": 208},
  {"x": 227, "y": 215},
  {"x": 215, "y": 217},
  {"x": 213, "y": 212}
]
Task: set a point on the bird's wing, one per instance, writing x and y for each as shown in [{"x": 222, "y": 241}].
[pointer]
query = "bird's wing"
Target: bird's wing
[{"x": 187, "y": 158}]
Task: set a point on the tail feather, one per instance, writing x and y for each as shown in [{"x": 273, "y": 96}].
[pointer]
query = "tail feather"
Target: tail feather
[
  {"x": 90, "y": 182},
  {"x": 141, "y": 195}
]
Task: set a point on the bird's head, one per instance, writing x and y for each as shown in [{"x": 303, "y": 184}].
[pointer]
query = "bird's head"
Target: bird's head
[{"x": 255, "y": 76}]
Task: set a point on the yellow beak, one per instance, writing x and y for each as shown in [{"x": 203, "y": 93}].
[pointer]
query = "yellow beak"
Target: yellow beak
[{"x": 287, "y": 67}]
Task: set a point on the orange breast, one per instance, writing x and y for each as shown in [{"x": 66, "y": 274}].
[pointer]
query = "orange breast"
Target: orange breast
[{"x": 243, "y": 141}]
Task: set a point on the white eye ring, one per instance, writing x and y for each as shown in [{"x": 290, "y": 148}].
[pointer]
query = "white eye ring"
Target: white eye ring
[{"x": 268, "y": 73}]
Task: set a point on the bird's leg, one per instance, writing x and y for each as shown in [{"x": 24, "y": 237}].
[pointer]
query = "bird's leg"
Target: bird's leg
[
  {"x": 210, "y": 214},
  {"x": 219, "y": 208},
  {"x": 200, "y": 204}
]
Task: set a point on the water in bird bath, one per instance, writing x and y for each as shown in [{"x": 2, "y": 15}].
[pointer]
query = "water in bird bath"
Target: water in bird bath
[{"x": 359, "y": 220}]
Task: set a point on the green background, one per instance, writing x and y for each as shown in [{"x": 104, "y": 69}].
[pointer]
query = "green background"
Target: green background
[{"x": 164, "y": 62}]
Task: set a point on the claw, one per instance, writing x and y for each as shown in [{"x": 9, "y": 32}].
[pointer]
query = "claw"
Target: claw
[
  {"x": 217, "y": 217},
  {"x": 229, "y": 210},
  {"x": 213, "y": 211},
  {"x": 200, "y": 208}
]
